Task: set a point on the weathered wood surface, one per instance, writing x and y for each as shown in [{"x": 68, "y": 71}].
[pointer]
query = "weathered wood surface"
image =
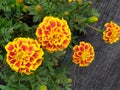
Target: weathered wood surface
[{"x": 104, "y": 72}]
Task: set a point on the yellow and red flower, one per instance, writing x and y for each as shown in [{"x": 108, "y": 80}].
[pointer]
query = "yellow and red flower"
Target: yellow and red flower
[
  {"x": 112, "y": 33},
  {"x": 24, "y": 55},
  {"x": 53, "y": 34},
  {"x": 83, "y": 54}
]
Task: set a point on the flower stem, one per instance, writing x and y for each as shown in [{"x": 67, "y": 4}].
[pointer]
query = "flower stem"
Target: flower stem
[
  {"x": 2, "y": 65},
  {"x": 94, "y": 28},
  {"x": 53, "y": 82},
  {"x": 38, "y": 77}
]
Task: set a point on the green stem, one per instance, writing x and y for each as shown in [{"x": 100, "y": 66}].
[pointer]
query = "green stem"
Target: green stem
[
  {"x": 94, "y": 28},
  {"x": 52, "y": 82},
  {"x": 38, "y": 77}
]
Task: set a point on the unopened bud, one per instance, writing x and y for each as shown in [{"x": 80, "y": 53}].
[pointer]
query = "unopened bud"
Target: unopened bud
[
  {"x": 92, "y": 19},
  {"x": 56, "y": 64},
  {"x": 12, "y": 5},
  {"x": 79, "y": 1},
  {"x": 38, "y": 8},
  {"x": 43, "y": 87},
  {"x": 69, "y": 80},
  {"x": 11, "y": 31},
  {"x": 19, "y": 1},
  {"x": 25, "y": 9},
  {"x": 66, "y": 13},
  {"x": 70, "y": 1},
  {"x": 90, "y": 2}
]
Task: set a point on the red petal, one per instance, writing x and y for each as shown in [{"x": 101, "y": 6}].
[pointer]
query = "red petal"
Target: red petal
[
  {"x": 79, "y": 53},
  {"x": 31, "y": 59},
  {"x": 58, "y": 24},
  {"x": 28, "y": 64},
  {"x": 86, "y": 47},
  {"x": 76, "y": 48},
  {"x": 12, "y": 54},
  {"x": 17, "y": 64},
  {"x": 46, "y": 32},
  {"x": 52, "y": 23},
  {"x": 49, "y": 46},
  {"x": 39, "y": 31},
  {"x": 10, "y": 47},
  {"x": 48, "y": 27},
  {"x": 81, "y": 48},
  {"x": 12, "y": 61},
  {"x": 108, "y": 25},
  {"x": 9, "y": 58},
  {"x": 65, "y": 41},
  {"x": 24, "y": 47},
  {"x": 31, "y": 48},
  {"x": 109, "y": 33},
  {"x": 35, "y": 55}
]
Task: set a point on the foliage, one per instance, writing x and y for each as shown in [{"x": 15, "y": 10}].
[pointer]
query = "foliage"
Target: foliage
[{"x": 20, "y": 18}]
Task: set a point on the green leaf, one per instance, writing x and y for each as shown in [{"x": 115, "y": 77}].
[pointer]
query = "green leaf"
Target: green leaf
[
  {"x": 22, "y": 87},
  {"x": 2, "y": 87},
  {"x": 59, "y": 53},
  {"x": 94, "y": 12},
  {"x": 37, "y": 18},
  {"x": 1, "y": 57},
  {"x": 37, "y": 86}
]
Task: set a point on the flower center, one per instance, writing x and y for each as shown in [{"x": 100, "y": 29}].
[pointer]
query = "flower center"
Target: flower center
[
  {"x": 22, "y": 56},
  {"x": 55, "y": 39},
  {"x": 115, "y": 34},
  {"x": 85, "y": 55}
]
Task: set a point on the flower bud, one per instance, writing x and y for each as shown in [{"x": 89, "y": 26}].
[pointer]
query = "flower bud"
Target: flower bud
[
  {"x": 12, "y": 5},
  {"x": 69, "y": 80},
  {"x": 43, "y": 87},
  {"x": 56, "y": 64},
  {"x": 19, "y": 1},
  {"x": 90, "y": 2},
  {"x": 25, "y": 8},
  {"x": 38, "y": 8},
  {"x": 70, "y": 1},
  {"x": 79, "y": 1},
  {"x": 66, "y": 13},
  {"x": 92, "y": 19},
  {"x": 11, "y": 31}
]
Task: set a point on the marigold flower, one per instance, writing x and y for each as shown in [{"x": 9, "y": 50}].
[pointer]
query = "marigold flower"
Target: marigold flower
[
  {"x": 24, "y": 55},
  {"x": 83, "y": 54},
  {"x": 112, "y": 33},
  {"x": 53, "y": 34}
]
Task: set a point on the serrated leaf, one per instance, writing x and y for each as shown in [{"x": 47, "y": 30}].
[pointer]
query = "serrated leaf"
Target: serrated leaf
[
  {"x": 37, "y": 86},
  {"x": 22, "y": 87},
  {"x": 1, "y": 57},
  {"x": 95, "y": 12},
  {"x": 2, "y": 87}
]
